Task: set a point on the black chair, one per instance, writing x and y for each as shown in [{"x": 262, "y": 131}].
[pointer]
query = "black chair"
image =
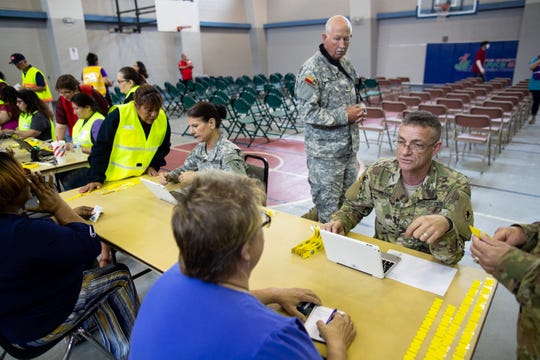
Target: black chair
[
  {"x": 258, "y": 172},
  {"x": 76, "y": 330}
]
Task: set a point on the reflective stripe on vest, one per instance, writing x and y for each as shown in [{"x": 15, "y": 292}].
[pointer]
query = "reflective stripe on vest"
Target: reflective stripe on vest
[
  {"x": 131, "y": 91},
  {"x": 29, "y": 81},
  {"x": 92, "y": 76},
  {"x": 82, "y": 130},
  {"x": 132, "y": 152}
]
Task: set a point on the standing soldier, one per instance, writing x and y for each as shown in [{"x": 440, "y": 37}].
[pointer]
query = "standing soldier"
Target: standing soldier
[
  {"x": 330, "y": 109},
  {"x": 32, "y": 78}
]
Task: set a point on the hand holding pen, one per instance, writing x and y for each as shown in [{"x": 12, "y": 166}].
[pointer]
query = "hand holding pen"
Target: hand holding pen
[{"x": 338, "y": 332}]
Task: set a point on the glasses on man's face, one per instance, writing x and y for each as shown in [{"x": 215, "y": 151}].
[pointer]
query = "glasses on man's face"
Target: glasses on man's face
[
  {"x": 266, "y": 217},
  {"x": 415, "y": 146},
  {"x": 120, "y": 81}
]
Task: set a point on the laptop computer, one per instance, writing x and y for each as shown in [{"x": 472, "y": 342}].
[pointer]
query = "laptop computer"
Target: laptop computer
[
  {"x": 36, "y": 154},
  {"x": 159, "y": 191},
  {"x": 358, "y": 255}
]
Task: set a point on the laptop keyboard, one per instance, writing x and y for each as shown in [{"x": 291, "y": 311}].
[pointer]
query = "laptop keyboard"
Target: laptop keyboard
[{"x": 387, "y": 264}]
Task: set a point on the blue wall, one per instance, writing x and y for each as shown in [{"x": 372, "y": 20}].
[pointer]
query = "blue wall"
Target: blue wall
[{"x": 452, "y": 62}]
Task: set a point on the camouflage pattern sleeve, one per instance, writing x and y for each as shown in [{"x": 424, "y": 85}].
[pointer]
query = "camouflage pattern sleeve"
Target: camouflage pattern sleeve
[
  {"x": 532, "y": 231},
  {"x": 234, "y": 162},
  {"x": 519, "y": 272},
  {"x": 357, "y": 203},
  {"x": 190, "y": 164},
  {"x": 458, "y": 208}
]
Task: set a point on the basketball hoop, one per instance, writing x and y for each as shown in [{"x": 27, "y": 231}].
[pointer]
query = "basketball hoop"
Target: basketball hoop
[
  {"x": 182, "y": 27},
  {"x": 443, "y": 10}
]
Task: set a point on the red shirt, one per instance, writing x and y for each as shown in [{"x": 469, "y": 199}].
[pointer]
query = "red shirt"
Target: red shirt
[
  {"x": 186, "y": 72},
  {"x": 480, "y": 55}
]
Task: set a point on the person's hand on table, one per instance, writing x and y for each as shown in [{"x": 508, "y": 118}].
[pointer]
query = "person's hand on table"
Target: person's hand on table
[
  {"x": 334, "y": 226},
  {"x": 84, "y": 211},
  {"x": 90, "y": 187},
  {"x": 339, "y": 334},
  {"x": 186, "y": 177},
  {"x": 162, "y": 176},
  {"x": 289, "y": 298},
  {"x": 488, "y": 252},
  {"x": 428, "y": 228},
  {"x": 151, "y": 171}
]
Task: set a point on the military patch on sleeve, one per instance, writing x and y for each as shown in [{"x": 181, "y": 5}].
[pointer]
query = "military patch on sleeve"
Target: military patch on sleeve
[{"x": 310, "y": 80}]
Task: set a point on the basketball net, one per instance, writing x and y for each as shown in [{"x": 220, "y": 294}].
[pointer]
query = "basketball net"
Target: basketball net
[{"x": 443, "y": 11}]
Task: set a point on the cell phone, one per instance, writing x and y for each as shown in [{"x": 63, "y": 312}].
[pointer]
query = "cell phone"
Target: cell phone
[{"x": 305, "y": 307}]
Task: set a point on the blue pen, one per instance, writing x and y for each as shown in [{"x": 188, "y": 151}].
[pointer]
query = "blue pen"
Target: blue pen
[{"x": 331, "y": 316}]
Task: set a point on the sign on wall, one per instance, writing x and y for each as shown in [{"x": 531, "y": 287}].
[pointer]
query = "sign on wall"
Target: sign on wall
[{"x": 447, "y": 63}]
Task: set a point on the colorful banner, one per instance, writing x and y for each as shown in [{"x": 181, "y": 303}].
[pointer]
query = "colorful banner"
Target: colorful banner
[{"x": 446, "y": 63}]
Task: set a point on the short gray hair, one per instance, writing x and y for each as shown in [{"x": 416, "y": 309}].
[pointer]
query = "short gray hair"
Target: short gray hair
[{"x": 333, "y": 19}]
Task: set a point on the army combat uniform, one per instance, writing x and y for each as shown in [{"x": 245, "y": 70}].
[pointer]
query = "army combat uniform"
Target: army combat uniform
[
  {"x": 224, "y": 155},
  {"x": 519, "y": 271},
  {"x": 444, "y": 192},
  {"x": 324, "y": 93}
]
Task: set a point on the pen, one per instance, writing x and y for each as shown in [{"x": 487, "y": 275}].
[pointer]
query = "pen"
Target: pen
[{"x": 331, "y": 316}]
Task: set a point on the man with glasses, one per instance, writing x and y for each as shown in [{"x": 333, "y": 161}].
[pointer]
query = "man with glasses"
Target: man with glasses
[
  {"x": 419, "y": 203},
  {"x": 330, "y": 108}
]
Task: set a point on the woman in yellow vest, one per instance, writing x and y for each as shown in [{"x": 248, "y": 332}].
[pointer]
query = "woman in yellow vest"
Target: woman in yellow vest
[
  {"x": 85, "y": 133},
  {"x": 35, "y": 119},
  {"x": 96, "y": 76},
  {"x": 133, "y": 140},
  {"x": 129, "y": 80}
]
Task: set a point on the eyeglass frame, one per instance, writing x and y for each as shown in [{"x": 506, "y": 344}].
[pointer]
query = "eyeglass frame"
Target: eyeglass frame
[{"x": 413, "y": 146}]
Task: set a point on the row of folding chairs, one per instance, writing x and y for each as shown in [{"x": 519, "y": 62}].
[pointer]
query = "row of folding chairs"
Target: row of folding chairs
[{"x": 504, "y": 107}]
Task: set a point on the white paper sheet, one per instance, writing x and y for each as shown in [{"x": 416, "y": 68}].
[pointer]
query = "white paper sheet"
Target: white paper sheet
[{"x": 422, "y": 274}]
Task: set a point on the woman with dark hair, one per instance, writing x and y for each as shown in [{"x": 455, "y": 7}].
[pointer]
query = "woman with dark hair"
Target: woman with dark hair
[
  {"x": 128, "y": 80},
  {"x": 9, "y": 111},
  {"x": 203, "y": 307},
  {"x": 47, "y": 283},
  {"x": 214, "y": 151},
  {"x": 141, "y": 69},
  {"x": 35, "y": 119}
]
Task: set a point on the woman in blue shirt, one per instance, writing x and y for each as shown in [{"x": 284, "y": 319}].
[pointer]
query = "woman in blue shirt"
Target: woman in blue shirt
[{"x": 202, "y": 308}]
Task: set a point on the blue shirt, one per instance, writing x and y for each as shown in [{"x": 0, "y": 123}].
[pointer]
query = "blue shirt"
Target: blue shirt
[
  {"x": 186, "y": 318},
  {"x": 534, "y": 84},
  {"x": 41, "y": 269}
]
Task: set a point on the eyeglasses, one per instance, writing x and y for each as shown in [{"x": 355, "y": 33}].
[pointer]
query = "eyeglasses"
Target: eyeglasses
[
  {"x": 266, "y": 217},
  {"x": 414, "y": 146},
  {"x": 19, "y": 101},
  {"x": 121, "y": 81}
]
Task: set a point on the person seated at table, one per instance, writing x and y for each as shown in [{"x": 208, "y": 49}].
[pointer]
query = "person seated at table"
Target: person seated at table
[
  {"x": 129, "y": 80},
  {"x": 9, "y": 111},
  {"x": 419, "y": 203},
  {"x": 203, "y": 307},
  {"x": 85, "y": 133},
  {"x": 512, "y": 256},
  {"x": 133, "y": 140},
  {"x": 67, "y": 86},
  {"x": 35, "y": 118},
  {"x": 47, "y": 284},
  {"x": 214, "y": 151}
]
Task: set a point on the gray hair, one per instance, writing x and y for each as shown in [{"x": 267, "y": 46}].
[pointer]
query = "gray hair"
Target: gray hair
[{"x": 330, "y": 22}]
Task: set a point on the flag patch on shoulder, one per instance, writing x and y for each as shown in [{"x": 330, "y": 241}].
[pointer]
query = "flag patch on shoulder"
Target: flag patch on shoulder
[{"x": 311, "y": 80}]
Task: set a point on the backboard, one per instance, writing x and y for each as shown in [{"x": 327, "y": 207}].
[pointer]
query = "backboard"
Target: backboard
[
  {"x": 177, "y": 15},
  {"x": 439, "y": 8}
]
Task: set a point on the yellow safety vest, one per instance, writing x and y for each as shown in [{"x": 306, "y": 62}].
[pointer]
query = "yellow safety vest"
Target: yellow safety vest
[
  {"x": 132, "y": 152},
  {"x": 25, "y": 121},
  {"x": 29, "y": 81},
  {"x": 130, "y": 92},
  {"x": 82, "y": 130},
  {"x": 92, "y": 76}
]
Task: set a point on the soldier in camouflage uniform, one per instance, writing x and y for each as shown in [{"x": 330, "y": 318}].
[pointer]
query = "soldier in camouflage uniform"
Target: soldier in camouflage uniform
[
  {"x": 214, "y": 151},
  {"x": 512, "y": 256},
  {"x": 328, "y": 105},
  {"x": 419, "y": 203}
]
